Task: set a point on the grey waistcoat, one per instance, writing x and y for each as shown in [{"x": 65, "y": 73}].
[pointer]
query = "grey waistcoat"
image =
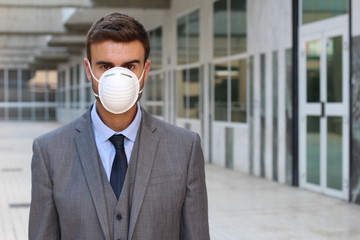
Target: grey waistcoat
[{"x": 118, "y": 211}]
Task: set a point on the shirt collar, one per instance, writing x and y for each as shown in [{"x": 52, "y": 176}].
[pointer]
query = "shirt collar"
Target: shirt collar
[{"x": 103, "y": 132}]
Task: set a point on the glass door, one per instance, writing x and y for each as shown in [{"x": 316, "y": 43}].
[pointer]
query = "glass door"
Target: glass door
[{"x": 324, "y": 117}]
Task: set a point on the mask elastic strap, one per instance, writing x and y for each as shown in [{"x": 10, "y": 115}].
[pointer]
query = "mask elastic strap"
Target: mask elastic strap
[
  {"x": 92, "y": 74},
  {"x": 142, "y": 75}
]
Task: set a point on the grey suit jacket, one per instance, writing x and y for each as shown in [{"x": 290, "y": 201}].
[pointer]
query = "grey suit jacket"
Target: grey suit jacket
[{"x": 169, "y": 198}]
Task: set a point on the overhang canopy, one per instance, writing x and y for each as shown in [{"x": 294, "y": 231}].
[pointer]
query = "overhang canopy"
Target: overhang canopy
[{"x": 31, "y": 34}]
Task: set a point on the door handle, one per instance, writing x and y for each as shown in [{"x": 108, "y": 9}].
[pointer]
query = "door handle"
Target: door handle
[{"x": 322, "y": 109}]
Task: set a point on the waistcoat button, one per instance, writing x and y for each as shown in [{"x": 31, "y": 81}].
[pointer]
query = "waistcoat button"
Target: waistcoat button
[{"x": 118, "y": 217}]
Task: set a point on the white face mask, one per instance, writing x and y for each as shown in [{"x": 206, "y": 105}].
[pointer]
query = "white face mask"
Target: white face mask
[{"x": 118, "y": 89}]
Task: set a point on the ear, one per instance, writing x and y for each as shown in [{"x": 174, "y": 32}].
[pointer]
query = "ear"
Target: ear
[
  {"x": 147, "y": 70},
  {"x": 87, "y": 69}
]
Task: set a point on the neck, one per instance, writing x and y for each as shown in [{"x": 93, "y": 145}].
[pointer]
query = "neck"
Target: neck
[{"x": 117, "y": 122}]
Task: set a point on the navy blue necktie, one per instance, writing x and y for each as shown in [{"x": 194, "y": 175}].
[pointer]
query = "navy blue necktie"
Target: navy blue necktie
[{"x": 119, "y": 167}]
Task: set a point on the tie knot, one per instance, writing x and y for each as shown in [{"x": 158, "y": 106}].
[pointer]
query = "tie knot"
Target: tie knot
[{"x": 117, "y": 141}]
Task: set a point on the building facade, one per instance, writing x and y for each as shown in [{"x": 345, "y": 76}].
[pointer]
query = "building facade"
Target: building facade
[{"x": 272, "y": 87}]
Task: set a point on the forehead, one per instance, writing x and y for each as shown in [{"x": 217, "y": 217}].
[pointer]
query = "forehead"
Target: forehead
[{"x": 117, "y": 51}]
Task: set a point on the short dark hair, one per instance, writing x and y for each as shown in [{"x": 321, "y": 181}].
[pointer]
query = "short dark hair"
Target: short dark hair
[{"x": 119, "y": 28}]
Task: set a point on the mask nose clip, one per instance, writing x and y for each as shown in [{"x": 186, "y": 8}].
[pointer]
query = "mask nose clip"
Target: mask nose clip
[{"x": 126, "y": 75}]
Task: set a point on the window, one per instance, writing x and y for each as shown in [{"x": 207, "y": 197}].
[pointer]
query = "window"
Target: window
[
  {"x": 188, "y": 77},
  {"x": 289, "y": 115},
  {"x": 72, "y": 92},
  {"x": 275, "y": 84},
  {"x": 13, "y": 86},
  {"x": 61, "y": 89},
  {"x": 188, "y": 32},
  {"x": 44, "y": 85},
  {"x": 155, "y": 93},
  {"x": 78, "y": 83},
  {"x": 2, "y": 85},
  {"x": 322, "y": 9},
  {"x": 155, "y": 84},
  {"x": 31, "y": 94},
  {"x": 156, "y": 48},
  {"x": 229, "y": 27},
  {"x": 89, "y": 95},
  {"x": 26, "y": 76},
  {"x": 75, "y": 86},
  {"x": 40, "y": 85},
  {"x": 188, "y": 93},
  {"x": 230, "y": 91}
]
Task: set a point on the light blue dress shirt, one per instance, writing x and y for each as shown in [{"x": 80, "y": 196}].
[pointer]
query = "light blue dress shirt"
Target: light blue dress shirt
[{"x": 102, "y": 134}]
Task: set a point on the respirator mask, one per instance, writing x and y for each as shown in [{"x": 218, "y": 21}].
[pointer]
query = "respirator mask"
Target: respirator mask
[{"x": 118, "y": 89}]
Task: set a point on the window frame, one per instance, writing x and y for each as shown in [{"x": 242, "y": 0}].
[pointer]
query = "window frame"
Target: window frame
[{"x": 228, "y": 60}]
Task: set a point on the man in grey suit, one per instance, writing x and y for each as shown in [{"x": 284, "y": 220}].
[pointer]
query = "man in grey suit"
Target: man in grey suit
[{"x": 117, "y": 172}]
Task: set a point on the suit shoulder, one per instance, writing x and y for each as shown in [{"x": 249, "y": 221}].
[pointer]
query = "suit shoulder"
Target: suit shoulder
[{"x": 58, "y": 132}]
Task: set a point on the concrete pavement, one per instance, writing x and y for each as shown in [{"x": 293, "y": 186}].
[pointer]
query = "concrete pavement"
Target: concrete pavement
[{"x": 240, "y": 206}]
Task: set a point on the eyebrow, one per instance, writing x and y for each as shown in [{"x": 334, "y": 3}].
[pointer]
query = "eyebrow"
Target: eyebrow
[{"x": 110, "y": 63}]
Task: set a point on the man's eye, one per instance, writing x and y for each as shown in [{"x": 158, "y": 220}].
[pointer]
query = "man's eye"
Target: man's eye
[
  {"x": 106, "y": 67},
  {"x": 130, "y": 67}
]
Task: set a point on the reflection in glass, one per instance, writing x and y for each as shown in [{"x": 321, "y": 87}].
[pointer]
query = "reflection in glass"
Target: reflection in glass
[
  {"x": 315, "y": 10},
  {"x": 72, "y": 93},
  {"x": 156, "y": 48},
  {"x": 160, "y": 86},
  {"x": 313, "y": 150},
  {"x": 238, "y": 90},
  {"x": 313, "y": 50},
  {"x": 334, "y": 69},
  {"x": 154, "y": 90},
  {"x": 251, "y": 114},
  {"x": 188, "y": 31},
  {"x": 41, "y": 114},
  {"x": 229, "y": 143},
  {"x": 289, "y": 116},
  {"x": 13, "y": 113},
  {"x": 26, "y": 91},
  {"x": 13, "y": 87},
  {"x": 2, "y": 85},
  {"x": 52, "y": 113},
  {"x": 194, "y": 31},
  {"x": 181, "y": 40},
  {"x": 181, "y": 94},
  {"x": 71, "y": 76},
  {"x": 334, "y": 153},
  {"x": 2, "y": 113},
  {"x": 61, "y": 89},
  {"x": 26, "y": 114},
  {"x": 27, "y": 86},
  {"x": 220, "y": 28},
  {"x": 89, "y": 96},
  {"x": 77, "y": 96},
  {"x": 262, "y": 113},
  {"x": 194, "y": 93},
  {"x": 275, "y": 113},
  {"x": 238, "y": 26},
  {"x": 150, "y": 94},
  {"x": 77, "y": 72},
  {"x": 221, "y": 91}
]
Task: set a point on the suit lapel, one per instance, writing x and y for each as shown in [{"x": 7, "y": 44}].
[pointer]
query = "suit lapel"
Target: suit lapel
[
  {"x": 147, "y": 145},
  {"x": 86, "y": 146}
]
